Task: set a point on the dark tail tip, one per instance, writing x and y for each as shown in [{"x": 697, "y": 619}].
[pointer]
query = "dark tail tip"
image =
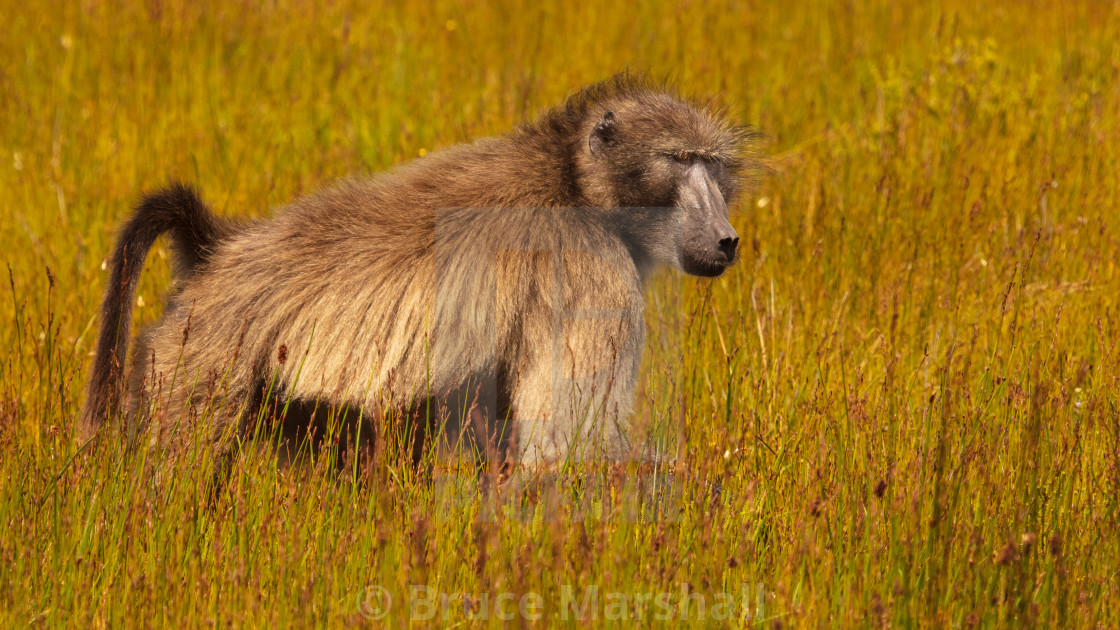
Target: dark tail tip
[{"x": 195, "y": 231}]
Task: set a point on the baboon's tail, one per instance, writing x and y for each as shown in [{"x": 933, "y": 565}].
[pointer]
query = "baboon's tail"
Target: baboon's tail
[{"x": 195, "y": 232}]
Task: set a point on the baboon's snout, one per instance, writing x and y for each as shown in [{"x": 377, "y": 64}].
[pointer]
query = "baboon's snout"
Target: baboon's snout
[
  {"x": 711, "y": 243},
  {"x": 705, "y": 199}
]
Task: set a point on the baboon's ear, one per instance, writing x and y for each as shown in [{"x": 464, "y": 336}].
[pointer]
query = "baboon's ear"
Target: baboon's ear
[{"x": 602, "y": 134}]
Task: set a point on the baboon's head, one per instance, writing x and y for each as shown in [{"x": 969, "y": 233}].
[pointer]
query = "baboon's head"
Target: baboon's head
[{"x": 670, "y": 167}]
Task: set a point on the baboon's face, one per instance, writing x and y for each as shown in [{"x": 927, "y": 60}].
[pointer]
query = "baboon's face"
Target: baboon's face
[{"x": 682, "y": 168}]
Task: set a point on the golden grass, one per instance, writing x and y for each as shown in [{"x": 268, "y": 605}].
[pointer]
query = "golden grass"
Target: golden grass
[{"x": 901, "y": 408}]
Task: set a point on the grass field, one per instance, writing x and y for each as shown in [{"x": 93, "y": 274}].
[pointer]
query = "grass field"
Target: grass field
[{"x": 901, "y": 407}]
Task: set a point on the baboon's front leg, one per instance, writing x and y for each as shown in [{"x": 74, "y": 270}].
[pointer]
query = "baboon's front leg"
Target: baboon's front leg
[{"x": 571, "y": 404}]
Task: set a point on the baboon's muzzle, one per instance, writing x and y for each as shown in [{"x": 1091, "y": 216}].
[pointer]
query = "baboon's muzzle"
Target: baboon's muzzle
[{"x": 711, "y": 242}]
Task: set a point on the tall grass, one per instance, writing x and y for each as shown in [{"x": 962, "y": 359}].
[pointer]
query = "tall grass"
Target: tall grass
[{"x": 900, "y": 408}]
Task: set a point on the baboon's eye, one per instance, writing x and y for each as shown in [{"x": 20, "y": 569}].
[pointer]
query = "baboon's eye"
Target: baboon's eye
[{"x": 681, "y": 158}]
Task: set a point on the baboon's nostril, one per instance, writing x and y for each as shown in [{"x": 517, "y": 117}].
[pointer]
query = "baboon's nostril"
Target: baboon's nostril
[{"x": 728, "y": 246}]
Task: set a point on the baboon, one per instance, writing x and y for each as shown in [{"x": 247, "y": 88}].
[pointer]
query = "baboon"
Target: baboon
[{"x": 502, "y": 278}]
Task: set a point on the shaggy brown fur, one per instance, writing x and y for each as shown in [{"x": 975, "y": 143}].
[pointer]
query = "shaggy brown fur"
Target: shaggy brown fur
[{"x": 505, "y": 275}]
